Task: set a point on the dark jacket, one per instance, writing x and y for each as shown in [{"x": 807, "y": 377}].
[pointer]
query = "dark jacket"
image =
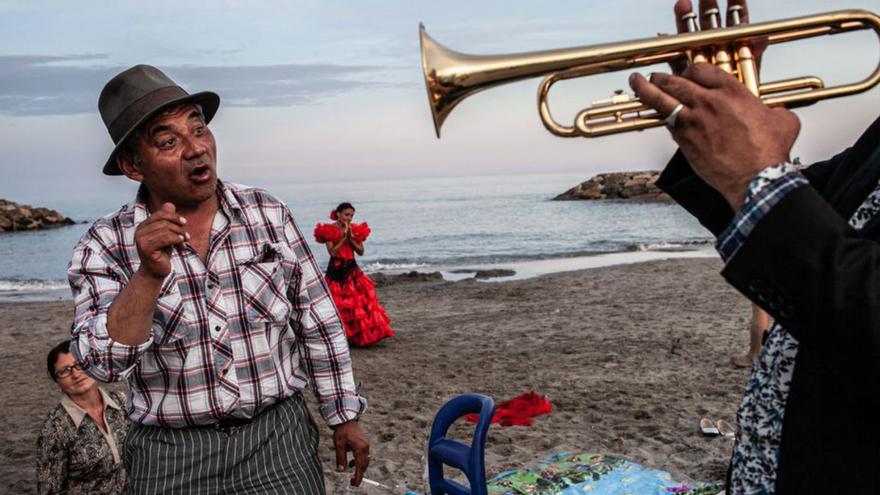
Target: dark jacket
[{"x": 820, "y": 279}]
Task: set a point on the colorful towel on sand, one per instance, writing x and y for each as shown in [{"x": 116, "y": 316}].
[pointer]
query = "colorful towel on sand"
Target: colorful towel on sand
[
  {"x": 593, "y": 474},
  {"x": 518, "y": 411}
]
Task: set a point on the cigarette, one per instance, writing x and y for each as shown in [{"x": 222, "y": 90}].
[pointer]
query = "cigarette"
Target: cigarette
[{"x": 375, "y": 483}]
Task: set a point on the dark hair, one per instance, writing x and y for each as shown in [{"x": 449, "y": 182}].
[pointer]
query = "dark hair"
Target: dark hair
[
  {"x": 130, "y": 148},
  {"x": 52, "y": 358},
  {"x": 344, "y": 206}
]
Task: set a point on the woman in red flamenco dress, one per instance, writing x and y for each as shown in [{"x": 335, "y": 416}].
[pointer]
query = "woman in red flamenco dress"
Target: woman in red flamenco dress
[{"x": 364, "y": 319}]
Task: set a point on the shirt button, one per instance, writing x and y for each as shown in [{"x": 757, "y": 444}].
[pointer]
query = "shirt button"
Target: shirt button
[{"x": 217, "y": 328}]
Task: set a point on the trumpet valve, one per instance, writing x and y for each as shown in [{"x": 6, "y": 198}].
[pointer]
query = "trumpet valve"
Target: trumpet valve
[
  {"x": 714, "y": 18},
  {"x": 618, "y": 97},
  {"x": 690, "y": 22},
  {"x": 735, "y": 12}
]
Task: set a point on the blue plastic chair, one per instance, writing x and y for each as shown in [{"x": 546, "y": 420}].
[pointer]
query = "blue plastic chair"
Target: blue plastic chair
[{"x": 469, "y": 460}]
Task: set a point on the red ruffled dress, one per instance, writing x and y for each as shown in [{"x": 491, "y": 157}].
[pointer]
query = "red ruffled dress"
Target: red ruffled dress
[{"x": 364, "y": 319}]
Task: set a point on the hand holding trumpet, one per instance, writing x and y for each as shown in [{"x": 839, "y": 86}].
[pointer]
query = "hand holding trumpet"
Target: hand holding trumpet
[{"x": 727, "y": 133}]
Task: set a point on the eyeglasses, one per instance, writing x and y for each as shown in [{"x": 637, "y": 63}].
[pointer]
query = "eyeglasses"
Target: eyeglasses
[{"x": 67, "y": 370}]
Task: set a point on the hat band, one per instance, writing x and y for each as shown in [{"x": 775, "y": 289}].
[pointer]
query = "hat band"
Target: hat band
[{"x": 141, "y": 109}]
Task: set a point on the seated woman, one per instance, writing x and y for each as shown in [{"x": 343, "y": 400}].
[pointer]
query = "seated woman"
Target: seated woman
[
  {"x": 78, "y": 450},
  {"x": 364, "y": 319}
]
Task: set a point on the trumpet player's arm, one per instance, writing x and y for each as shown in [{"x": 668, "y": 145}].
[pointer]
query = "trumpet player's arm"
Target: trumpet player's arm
[
  {"x": 708, "y": 205},
  {"x": 784, "y": 246},
  {"x": 800, "y": 261}
]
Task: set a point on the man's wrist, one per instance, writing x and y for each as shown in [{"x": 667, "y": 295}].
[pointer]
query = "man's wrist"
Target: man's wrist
[
  {"x": 337, "y": 426},
  {"x": 750, "y": 184},
  {"x": 766, "y": 189},
  {"x": 149, "y": 279}
]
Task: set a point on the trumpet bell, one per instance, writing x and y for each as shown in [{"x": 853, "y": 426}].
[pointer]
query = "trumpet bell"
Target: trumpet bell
[{"x": 432, "y": 52}]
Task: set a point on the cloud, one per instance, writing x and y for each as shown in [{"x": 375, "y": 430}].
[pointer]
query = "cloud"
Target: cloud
[{"x": 63, "y": 85}]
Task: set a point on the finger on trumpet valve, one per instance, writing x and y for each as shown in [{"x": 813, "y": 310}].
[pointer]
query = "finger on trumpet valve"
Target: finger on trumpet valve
[
  {"x": 747, "y": 66},
  {"x": 690, "y": 22},
  {"x": 735, "y": 12},
  {"x": 721, "y": 56},
  {"x": 714, "y": 17}
]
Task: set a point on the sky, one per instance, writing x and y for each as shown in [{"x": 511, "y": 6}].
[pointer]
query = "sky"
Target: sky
[{"x": 317, "y": 91}]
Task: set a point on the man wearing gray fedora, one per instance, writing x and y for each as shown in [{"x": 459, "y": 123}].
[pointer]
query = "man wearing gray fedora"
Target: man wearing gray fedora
[{"x": 204, "y": 296}]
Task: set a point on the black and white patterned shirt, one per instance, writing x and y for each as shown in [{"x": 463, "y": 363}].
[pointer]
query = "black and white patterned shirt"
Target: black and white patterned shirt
[
  {"x": 760, "y": 416},
  {"x": 74, "y": 456}
]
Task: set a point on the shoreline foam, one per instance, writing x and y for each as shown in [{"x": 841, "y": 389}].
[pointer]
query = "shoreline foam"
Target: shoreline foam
[{"x": 50, "y": 290}]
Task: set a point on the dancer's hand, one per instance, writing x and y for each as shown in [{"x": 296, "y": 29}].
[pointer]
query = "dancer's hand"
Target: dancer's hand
[{"x": 348, "y": 437}]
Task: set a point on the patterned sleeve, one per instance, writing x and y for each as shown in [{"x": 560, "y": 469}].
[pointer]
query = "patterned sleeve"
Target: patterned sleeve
[
  {"x": 95, "y": 284},
  {"x": 51, "y": 457},
  {"x": 766, "y": 189},
  {"x": 324, "y": 348}
]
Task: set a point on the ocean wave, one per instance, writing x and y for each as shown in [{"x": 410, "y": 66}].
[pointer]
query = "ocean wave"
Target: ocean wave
[
  {"x": 669, "y": 246},
  {"x": 597, "y": 249},
  {"x": 32, "y": 285},
  {"x": 378, "y": 266}
]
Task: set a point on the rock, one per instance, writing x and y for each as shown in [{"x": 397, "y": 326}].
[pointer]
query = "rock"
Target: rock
[
  {"x": 384, "y": 279},
  {"x": 499, "y": 272},
  {"x": 637, "y": 186},
  {"x": 14, "y": 217}
]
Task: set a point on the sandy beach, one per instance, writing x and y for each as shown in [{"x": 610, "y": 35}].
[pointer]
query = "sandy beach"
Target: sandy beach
[{"x": 630, "y": 356}]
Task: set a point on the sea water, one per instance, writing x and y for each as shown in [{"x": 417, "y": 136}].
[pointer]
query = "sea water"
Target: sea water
[{"x": 421, "y": 224}]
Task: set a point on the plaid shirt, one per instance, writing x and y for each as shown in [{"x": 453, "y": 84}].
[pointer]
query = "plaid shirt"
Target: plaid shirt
[
  {"x": 765, "y": 190},
  {"x": 228, "y": 339}
]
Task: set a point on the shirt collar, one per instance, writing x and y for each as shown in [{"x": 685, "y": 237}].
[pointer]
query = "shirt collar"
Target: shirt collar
[
  {"x": 78, "y": 414},
  {"x": 228, "y": 202}
]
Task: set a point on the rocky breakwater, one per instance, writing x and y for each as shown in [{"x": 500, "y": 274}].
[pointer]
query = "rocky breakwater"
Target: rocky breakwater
[
  {"x": 15, "y": 217},
  {"x": 639, "y": 186}
]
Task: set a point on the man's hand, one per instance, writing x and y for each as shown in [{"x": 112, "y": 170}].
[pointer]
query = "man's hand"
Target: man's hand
[
  {"x": 154, "y": 239},
  {"x": 130, "y": 317},
  {"x": 727, "y": 134},
  {"x": 348, "y": 437}
]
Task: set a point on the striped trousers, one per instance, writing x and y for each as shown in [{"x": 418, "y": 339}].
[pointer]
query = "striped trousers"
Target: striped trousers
[{"x": 276, "y": 453}]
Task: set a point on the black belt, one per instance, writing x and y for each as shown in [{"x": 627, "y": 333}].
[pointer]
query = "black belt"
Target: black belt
[{"x": 229, "y": 422}]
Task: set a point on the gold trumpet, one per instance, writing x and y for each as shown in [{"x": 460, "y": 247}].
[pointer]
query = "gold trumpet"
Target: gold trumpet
[{"x": 452, "y": 76}]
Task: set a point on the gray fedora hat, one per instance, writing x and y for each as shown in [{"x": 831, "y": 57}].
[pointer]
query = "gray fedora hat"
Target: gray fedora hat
[{"x": 135, "y": 95}]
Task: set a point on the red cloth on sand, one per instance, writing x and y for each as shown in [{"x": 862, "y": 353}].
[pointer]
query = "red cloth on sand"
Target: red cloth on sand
[
  {"x": 364, "y": 319},
  {"x": 518, "y": 411}
]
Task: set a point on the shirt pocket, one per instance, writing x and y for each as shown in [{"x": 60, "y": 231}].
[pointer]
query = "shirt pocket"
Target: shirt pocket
[
  {"x": 264, "y": 283},
  {"x": 172, "y": 321}
]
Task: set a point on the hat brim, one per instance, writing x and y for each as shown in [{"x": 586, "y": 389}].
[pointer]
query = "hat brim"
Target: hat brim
[{"x": 208, "y": 100}]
